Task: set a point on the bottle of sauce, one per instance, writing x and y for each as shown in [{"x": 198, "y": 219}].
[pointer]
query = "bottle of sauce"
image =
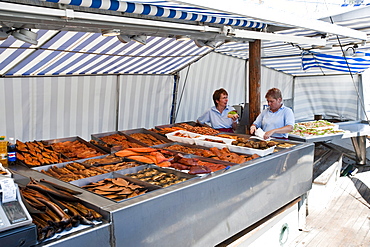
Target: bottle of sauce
[
  {"x": 3, "y": 152},
  {"x": 11, "y": 151}
]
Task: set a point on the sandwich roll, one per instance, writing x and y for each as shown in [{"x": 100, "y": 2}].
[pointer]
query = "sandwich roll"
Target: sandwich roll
[{"x": 232, "y": 114}]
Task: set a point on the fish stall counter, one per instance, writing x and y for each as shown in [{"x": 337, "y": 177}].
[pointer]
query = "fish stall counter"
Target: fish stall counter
[
  {"x": 203, "y": 211},
  {"x": 209, "y": 210}
]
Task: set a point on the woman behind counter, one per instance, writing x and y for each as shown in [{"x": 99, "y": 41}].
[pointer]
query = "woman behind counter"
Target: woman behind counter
[
  {"x": 218, "y": 116},
  {"x": 277, "y": 120}
]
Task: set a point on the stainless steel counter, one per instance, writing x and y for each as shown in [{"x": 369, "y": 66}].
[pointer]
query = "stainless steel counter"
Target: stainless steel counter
[
  {"x": 214, "y": 208},
  {"x": 203, "y": 211}
]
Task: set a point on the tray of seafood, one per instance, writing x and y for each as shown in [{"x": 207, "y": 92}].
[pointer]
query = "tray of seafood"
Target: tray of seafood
[
  {"x": 75, "y": 148},
  {"x": 75, "y": 217},
  {"x": 115, "y": 186},
  {"x": 252, "y": 146},
  {"x": 146, "y": 137},
  {"x": 213, "y": 141},
  {"x": 223, "y": 154},
  {"x": 158, "y": 176},
  {"x": 114, "y": 141},
  {"x": 183, "y": 136},
  {"x": 165, "y": 129},
  {"x": 195, "y": 165},
  {"x": 197, "y": 128},
  {"x": 37, "y": 153},
  {"x": 72, "y": 170}
]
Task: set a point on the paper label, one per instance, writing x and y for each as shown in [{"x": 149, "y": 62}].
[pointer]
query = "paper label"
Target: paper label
[{"x": 9, "y": 190}]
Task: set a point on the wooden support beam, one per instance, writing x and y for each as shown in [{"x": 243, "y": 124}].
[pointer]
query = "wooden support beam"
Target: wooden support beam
[{"x": 254, "y": 80}]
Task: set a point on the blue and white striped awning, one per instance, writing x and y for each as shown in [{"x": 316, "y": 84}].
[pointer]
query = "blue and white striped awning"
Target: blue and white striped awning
[
  {"x": 80, "y": 53},
  {"x": 166, "y": 9},
  {"x": 345, "y": 64}
]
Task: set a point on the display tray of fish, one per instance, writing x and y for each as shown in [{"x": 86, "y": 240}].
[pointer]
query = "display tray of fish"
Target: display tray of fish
[
  {"x": 56, "y": 210},
  {"x": 75, "y": 148},
  {"x": 72, "y": 170},
  {"x": 37, "y": 153},
  {"x": 223, "y": 154},
  {"x": 158, "y": 176},
  {"x": 146, "y": 137},
  {"x": 199, "y": 129},
  {"x": 167, "y": 158},
  {"x": 115, "y": 186},
  {"x": 114, "y": 141}
]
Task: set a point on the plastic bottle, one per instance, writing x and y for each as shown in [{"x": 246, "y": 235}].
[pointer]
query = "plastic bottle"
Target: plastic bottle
[
  {"x": 3, "y": 151},
  {"x": 11, "y": 151}
]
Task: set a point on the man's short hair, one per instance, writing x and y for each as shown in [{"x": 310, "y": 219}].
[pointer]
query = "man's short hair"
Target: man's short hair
[{"x": 274, "y": 93}]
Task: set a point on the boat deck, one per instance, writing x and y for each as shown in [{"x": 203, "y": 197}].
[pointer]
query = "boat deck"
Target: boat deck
[{"x": 345, "y": 221}]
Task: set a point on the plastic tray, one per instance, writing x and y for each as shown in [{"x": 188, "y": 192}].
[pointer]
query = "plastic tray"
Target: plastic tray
[
  {"x": 189, "y": 140},
  {"x": 246, "y": 150},
  {"x": 202, "y": 142}
]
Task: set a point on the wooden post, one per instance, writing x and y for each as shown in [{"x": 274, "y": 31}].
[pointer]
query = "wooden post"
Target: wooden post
[{"x": 254, "y": 81}]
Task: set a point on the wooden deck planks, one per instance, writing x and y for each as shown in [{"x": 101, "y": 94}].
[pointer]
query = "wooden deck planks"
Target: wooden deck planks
[{"x": 345, "y": 221}]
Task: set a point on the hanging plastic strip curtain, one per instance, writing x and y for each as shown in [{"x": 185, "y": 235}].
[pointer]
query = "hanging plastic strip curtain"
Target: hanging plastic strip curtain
[
  {"x": 351, "y": 64},
  {"x": 166, "y": 9}
]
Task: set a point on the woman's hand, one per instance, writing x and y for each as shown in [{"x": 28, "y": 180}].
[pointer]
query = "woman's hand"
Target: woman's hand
[
  {"x": 252, "y": 129},
  {"x": 268, "y": 134},
  {"x": 235, "y": 117}
]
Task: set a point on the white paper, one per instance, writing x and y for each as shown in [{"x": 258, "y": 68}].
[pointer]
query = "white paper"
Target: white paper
[
  {"x": 9, "y": 190},
  {"x": 259, "y": 134}
]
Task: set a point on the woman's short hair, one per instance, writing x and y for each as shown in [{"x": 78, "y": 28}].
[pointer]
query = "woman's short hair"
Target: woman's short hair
[
  {"x": 217, "y": 95},
  {"x": 274, "y": 93}
]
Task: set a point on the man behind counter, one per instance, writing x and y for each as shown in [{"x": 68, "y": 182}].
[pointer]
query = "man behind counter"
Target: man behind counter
[
  {"x": 221, "y": 116},
  {"x": 277, "y": 120}
]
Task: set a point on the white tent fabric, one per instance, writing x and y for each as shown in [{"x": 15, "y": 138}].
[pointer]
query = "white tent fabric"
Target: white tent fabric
[
  {"x": 55, "y": 107},
  {"x": 144, "y": 101},
  {"x": 41, "y": 108},
  {"x": 365, "y": 79},
  {"x": 201, "y": 79},
  {"x": 332, "y": 97}
]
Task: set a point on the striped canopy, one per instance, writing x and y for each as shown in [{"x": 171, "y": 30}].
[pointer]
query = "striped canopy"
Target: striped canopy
[
  {"x": 80, "y": 53},
  {"x": 356, "y": 64},
  {"x": 167, "y": 9}
]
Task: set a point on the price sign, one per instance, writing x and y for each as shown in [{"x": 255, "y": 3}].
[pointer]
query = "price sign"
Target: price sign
[{"x": 9, "y": 190}]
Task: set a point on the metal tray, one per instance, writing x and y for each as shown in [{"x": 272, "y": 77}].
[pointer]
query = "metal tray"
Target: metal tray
[
  {"x": 76, "y": 138},
  {"x": 192, "y": 123},
  {"x": 164, "y": 126},
  {"x": 145, "y": 131},
  {"x": 59, "y": 165},
  {"x": 96, "y": 137},
  {"x": 86, "y": 181},
  {"x": 95, "y": 160},
  {"x": 166, "y": 170},
  {"x": 187, "y": 155}
]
